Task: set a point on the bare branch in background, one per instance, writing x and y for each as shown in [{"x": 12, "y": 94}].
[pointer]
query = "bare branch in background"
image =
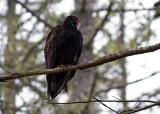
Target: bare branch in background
[
  {"x": 109, "y": 101},
  {"x": 153, "y": 103},
  {"x": 92, "y": 90},
  {"x": 32, "y": 49},
  {"x": 102, "y": 9},
  {"x": 34, "y": 14},
  {"x": 97, "y": 62},
  {"x": 150, "y": 94},
  {"x": 129, "y": 83},
  {"x": 127, "y": 10},
  {"x": 101, "y": 25},
  {"x": 141, "y": 109},
  {"x": 105, "y": 105}
]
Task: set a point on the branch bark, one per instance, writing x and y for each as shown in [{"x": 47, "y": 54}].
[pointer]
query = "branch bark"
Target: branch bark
[{"x": 97, "y": 62}]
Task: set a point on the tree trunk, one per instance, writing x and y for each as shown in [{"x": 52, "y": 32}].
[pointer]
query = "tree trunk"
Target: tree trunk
[
  {"x": 10, "y": 59},
  {"x": 84, "y": 79},
  {"x": 123, "y": 61}
]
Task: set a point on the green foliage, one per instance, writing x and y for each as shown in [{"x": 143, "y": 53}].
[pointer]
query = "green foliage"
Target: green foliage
[
  {"x": 157, "y": 5},
  {"x": 157, "y": 15}
]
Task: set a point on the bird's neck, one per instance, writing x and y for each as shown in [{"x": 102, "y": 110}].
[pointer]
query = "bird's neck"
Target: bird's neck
[{"x": 70, "y": 26}]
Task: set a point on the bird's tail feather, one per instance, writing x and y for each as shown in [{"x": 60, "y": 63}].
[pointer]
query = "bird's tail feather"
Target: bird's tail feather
[{"x": 56, "y": 82}]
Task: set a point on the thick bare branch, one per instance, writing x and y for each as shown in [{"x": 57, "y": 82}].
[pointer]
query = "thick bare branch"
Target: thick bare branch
[{"x": 97, "y": 62}]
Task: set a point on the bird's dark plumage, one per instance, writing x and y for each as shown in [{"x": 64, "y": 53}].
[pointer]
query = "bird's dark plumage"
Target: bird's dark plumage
[{"x": 63, "y": 47}]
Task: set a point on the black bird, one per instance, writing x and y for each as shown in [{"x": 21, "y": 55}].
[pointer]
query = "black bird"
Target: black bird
[{"x": 63, "y": 47}]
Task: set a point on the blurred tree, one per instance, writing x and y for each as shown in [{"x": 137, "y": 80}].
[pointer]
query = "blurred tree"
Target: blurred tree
[{"x": 10, "y": 60}]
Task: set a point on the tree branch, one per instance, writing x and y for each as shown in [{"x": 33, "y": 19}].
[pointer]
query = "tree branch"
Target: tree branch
[
  {"x": 129, "y": 83},
  {"x": 92, "y": 90},
  {"x": 109, "y": 101},
  {"x": 32, "y": 49},
  {"x": 34, "y": 14},
  {"x": 127, "y": 10},
  {"x": 150, "y": 94},
  {"x": 97, "y": 62},
  {"x": 138, "y": 110},
  {"x": 101, "y": 25},
  {"x": 105, "y": 105},
  {"x": 154, "y": 103}
]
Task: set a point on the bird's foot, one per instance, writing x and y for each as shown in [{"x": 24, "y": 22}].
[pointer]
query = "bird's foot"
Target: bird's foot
[{"x": 64, "y": 65}]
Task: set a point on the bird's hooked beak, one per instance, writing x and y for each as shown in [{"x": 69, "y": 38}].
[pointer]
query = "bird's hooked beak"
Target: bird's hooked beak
[{"x": 78, "y": 23}]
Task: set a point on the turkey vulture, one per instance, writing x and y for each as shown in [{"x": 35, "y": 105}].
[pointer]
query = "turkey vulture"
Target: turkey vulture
[{"x": 63, "y": 47}]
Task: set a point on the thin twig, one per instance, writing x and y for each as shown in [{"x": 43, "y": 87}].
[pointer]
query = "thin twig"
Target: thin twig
[
  {"x": 105, "y": 105},
  {"x": 110, "y": 101},
  {"x": 138, "y": 110},
  {"x": 97, "y": 62}
]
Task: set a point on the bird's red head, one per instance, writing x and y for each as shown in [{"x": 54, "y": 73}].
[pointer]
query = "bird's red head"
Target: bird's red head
[{"x": 76, "y": 20}]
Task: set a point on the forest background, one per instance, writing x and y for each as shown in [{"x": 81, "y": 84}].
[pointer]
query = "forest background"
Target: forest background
[{"x": 107, "y": 27}]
